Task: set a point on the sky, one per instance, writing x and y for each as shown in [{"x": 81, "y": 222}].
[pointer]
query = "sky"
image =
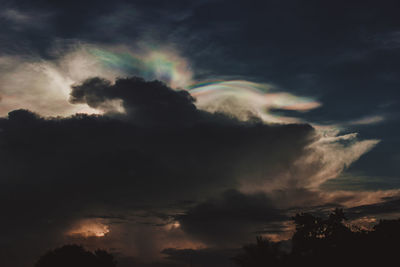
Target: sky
[{"x": 176, "y": 131}]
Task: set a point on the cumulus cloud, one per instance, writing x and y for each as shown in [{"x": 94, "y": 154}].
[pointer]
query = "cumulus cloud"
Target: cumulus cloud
[
  {"x": 208, "y": 176},
  {"x": 43, "y": 85},
  {"x": 151, "y": 134},
  {"x": 156, "y": 105},
  {"x": 162, "y": 150}
]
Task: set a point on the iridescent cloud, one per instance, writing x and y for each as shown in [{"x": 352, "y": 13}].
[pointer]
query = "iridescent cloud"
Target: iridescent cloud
[
  {"x": 161, "y": 64},
  {"x": 243, "y": 99}
]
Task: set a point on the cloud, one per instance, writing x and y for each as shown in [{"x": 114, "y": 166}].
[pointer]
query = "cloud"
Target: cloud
[
  {"x": 89, "y": 228},
  {"x": 23, "y": 19},
  {"x": 138, "y": 160},
  {"x": 43, "y": 86},
  {"x": 163, "y": 63},
  {"x": 381, "y": 209},
  {"x": 323, "y": 159},
  {"x": 159, "y": 154},
  {"x": 156, "y": 105},
  {"x": 330, "y": 156},
  {"x": 149, "y": 146},
  {"x": 244, "y": 99},
  {"x": 15, "y": 16},
  {"x": 367, "y": 120},
  {"x": 17, "y": 22},
  {"x": 232, "y": 219}
]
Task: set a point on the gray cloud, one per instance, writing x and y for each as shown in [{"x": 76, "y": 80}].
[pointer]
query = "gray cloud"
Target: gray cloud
[
  {"x": 160, "y": 157},
  {"x": 232, "y": 219},
  {"x": 78, "y": 165}
]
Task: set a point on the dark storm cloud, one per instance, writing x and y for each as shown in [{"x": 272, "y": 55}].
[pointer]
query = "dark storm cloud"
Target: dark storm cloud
[
  {"x": 155, "y": 105},
  {"x": 163, "y": 150},
  {"x": 231, "y": 218}
]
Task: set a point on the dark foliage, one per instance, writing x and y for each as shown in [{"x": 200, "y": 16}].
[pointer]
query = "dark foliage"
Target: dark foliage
[
  {"x": 263, "y": 253},
  {"x": 76, "y": 256},
  {"x": 327, "y": 242}
]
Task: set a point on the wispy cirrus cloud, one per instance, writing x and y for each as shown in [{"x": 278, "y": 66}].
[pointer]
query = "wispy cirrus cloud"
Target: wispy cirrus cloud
[{"x": 374, "y": 119}]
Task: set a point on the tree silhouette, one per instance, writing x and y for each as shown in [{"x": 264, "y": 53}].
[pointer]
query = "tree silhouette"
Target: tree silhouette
[
  {"x": 328, "y": 242},
  {"x": 262, "y": 253},
  {"x": 314, "y": 234},
  {"x": 317, "y": 239},
  {"x": 76, "y": 256}
]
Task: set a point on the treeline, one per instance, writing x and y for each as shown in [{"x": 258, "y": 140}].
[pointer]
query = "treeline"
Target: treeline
[
  {"x": 328, "y": 242},
  {"x": 76, "y": 256},
  {"x": 316, "y": 242}
]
